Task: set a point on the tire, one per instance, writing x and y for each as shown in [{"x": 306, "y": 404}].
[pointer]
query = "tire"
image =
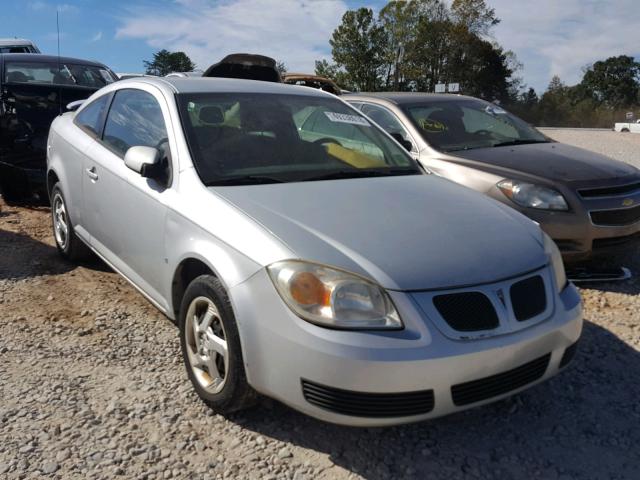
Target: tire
[
  {"x": 68, "y": 244},
  {"x": 625, "y": 130},
  {"x": 208, "y": 329}
]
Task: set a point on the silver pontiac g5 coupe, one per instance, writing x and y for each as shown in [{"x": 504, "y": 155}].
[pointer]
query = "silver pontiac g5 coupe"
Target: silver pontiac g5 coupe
[{"x": 304, "y": 254}]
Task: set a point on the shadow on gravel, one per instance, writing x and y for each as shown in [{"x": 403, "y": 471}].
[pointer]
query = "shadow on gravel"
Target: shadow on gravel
[
  {"x": 25, "y": 257},
  {"x": 580, "y": 424}
]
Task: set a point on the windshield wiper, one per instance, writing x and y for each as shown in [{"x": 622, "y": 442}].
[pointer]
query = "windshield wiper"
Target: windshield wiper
[
  {"x": 518, "y": 142},
  {"x": 361, "y": 173},
  {"x": 244, "y": 180}
]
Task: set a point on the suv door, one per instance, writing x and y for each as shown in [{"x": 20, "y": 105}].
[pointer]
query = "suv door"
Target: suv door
[{"x": 125, "y": 213}]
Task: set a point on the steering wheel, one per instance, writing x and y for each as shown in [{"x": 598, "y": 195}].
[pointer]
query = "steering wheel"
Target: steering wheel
[{"x": 325, "y": 140}]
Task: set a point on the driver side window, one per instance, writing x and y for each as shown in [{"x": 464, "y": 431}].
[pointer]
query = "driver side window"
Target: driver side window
[{"x": 135, "y": 119}]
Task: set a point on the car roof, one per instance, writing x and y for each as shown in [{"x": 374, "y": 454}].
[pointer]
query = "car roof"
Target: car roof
[
  {"x": 226, "y": 85},
  {"x": 408, "y": 98},
  {"x": 37, "y": 57},
  {"x": 18, "y": 42}
]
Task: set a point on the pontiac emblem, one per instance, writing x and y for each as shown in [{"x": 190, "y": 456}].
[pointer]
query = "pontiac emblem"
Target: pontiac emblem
[{"x": 627, "y": 202}]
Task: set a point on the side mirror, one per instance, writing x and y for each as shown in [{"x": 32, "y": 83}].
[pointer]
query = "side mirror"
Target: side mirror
[
  {"x": 145, "y": 161},
  {"x": 401, "y": 140}
]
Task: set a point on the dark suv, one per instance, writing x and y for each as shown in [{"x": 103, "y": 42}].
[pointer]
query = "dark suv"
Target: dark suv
[{"x": 34, "y": 89}]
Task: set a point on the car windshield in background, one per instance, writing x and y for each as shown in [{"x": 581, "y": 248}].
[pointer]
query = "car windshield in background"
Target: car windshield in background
[
  {"x": 470, "y": 124},
  {"x": 52, "y": 74},
  {"x": 240, "y": 139}
]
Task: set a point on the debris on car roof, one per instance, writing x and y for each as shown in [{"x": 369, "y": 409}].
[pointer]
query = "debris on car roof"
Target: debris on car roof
[{"x": 246, "y": 66}]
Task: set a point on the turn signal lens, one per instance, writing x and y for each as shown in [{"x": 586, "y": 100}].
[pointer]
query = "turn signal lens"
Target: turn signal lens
[
  {"x": 307, "y": 289},
  {"x": 333, "y": 298}
]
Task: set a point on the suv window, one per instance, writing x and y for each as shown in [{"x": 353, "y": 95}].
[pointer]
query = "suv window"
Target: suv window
[
  {"x": 49, "y": 73},
  {"x": 135, "y": 120},
  {"x": 386, "y": 120},
  {"x": 91, "y": 117}
]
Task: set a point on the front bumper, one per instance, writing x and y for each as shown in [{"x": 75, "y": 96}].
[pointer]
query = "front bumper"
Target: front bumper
[
  {"x": 577, "y": 236},
  {"x": 281, "y": 351}
]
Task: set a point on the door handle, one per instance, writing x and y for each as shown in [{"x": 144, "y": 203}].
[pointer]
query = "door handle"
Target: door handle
[{"x": 91, "y": 172}]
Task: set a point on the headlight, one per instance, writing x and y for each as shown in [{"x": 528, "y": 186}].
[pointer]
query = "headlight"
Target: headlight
[
  {"x": 533, "y": 196},
  {"x": 553, "y": 252},
  {"x": 333, "y": 298}
]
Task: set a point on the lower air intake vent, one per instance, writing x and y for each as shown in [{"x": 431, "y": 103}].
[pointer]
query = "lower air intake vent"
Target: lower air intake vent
[
  {"x": 467, "y": 312},
  {"x": 495, "y": 385},
  {"x": 360, "y": 404},
  {"x": 528, "y": 298}
]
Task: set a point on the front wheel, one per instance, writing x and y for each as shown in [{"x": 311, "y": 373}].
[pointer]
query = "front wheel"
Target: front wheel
[
  {"x": 67, "y": 242},
  {"x": 211, "y": 349}
]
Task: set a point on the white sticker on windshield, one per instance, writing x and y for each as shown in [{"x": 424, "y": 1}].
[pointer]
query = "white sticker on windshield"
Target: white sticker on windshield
[
  {"x": 346, "y": 118},
  {"x": 495, "y": 110}
]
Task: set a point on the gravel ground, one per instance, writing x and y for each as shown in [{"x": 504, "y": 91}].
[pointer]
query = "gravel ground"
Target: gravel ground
[
  {"x": 92, "y": 386},
  {"x": 621, "y": 146}
]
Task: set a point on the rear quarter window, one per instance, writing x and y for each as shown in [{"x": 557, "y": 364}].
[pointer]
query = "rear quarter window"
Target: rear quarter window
[{"x": 91, "y": 118}]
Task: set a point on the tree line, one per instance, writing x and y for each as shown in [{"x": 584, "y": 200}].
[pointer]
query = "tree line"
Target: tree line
[{"x": 412, "y": 45}]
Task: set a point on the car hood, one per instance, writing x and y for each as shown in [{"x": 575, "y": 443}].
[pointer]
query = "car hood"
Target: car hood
[
  {"x": 407, "y": 233},
  {"x": 553, "y": 161}
]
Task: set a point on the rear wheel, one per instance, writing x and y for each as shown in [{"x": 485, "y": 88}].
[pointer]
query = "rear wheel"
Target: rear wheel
[
  {"x": 211, "y": 349},
  {"x": 625, "y": 130},
  {"x": 67, "y": 242}
]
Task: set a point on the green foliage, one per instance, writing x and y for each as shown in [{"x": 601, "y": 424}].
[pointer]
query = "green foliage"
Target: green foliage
[
  {"x": 415, "y": 44},
  {"x": 475, "y": 15},
  {"x": 356, "y": 46},
  {"x": 165, "y": 62},
  {"x": 613, "y": 82}
]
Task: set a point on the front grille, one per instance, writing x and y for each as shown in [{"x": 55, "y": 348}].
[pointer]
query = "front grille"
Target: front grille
[
  {"x": 467, "y": 311},
  {"x": 528, "y": 298},
  {"x": 612, "y": 218},
  {"x": 609, "y": 191},
  {"x": 568, "y": 355},
  {"x": 488, "y": 387},
  {"x": 361, "y": 404}
]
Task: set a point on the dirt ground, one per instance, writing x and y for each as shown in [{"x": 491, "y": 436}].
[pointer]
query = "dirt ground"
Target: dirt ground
[{"x": 92, "y": 386}]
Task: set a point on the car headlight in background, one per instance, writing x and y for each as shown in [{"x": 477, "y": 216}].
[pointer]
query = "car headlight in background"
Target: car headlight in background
[
  {"x": 553, "y": 252},
  {"x": 533, "y": 196},
  {"x": 333, "y": 298}
]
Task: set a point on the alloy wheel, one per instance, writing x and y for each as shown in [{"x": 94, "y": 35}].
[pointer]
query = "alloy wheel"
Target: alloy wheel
[{"x": 206, "y": 344}]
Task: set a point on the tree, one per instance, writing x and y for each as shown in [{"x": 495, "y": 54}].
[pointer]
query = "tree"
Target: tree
[
  {"x": 333, "y": 72},
  {"x": 475, "y": 15},
  {"x": 613, "y": 82},
  {"x": 165, "y": 62},
  {"x": 357, "y": 47},
  {"x": 281, "y": 67}
]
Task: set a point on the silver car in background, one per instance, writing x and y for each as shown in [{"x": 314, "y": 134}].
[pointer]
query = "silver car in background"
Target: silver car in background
[{"x": 304, "y": 254}]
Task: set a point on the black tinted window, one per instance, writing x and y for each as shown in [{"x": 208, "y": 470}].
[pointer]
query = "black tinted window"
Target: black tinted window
[
  {"x": 91, "y": 117},
  {"x": 135, "y": 119},
  {"x": 52, "y": 73}
]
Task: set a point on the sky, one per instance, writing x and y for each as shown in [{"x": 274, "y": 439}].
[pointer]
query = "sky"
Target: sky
[{"x": 549, "y": 37}]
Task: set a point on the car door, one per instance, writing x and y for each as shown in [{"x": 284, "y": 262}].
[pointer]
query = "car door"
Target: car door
[
  {"x": 34, "y": 92},
  {"x": 90, "y": 119},
  {"x": 125, "y": 213}
]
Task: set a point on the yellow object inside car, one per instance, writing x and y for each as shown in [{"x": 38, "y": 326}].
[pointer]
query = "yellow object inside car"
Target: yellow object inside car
[{"x": 353, "y": 157}]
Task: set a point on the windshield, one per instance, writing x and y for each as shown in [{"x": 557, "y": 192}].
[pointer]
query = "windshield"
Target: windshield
[
  {"x": 244, "y": 138},
  {"x": 469, "y": 124},
  {"x": 66, "y": 74}
]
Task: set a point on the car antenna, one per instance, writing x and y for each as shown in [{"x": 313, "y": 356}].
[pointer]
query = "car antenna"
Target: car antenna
[{"x": 59, "y": 71}]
